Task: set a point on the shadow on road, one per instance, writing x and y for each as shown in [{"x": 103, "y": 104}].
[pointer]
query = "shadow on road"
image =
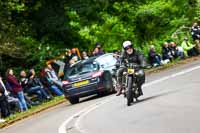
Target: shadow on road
[
  {"x": 156, "y": 96},
  {"x": 94, "y": 97}
]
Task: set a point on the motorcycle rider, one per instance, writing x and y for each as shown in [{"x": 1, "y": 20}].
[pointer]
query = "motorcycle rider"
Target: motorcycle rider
[{"x": 132, "y": 56}]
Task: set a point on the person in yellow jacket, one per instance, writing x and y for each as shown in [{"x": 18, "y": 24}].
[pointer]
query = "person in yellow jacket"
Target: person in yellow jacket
[{"x": 189, "y": 49}]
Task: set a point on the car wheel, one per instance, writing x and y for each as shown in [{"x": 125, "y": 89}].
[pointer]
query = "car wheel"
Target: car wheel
[
  {"x": 101, "y": 93},
  {"x": 74, "y": 100}
]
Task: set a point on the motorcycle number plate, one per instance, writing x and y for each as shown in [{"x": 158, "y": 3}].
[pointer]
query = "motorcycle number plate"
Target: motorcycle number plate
[{"x": 131, "y": 70}]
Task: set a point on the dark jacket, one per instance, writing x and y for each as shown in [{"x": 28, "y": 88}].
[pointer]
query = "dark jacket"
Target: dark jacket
[
  {"x": 99, "y": 53},
  {"x": 195, "y": 31},
  {"x": 135, "y": 57},
  {"x": 66, "y": 61},
  {"x": 24, "y": 83},
  {"x": 166, "y": 54},
  {"x": 44, "y": 79},
  {"x": 14, "y": 84},
  {"x": 174, "y": 52},
  {"x": 2, "y": 94},
  {"x": 4, "y": 105},
  {"x": 34, "y": 82},
  {"x": 75, "y": 55},
  {"x": 152, "y": 57}
]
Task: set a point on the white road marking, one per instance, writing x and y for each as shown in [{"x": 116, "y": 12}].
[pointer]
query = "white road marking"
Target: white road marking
[
  {"x": 63, "y": 129},
  {"x": 84, "y": 112},
  {"x": 171, "y": 76}
]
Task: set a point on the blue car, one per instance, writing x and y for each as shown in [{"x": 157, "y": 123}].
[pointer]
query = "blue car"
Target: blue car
[{"x": 88, "y": 77}]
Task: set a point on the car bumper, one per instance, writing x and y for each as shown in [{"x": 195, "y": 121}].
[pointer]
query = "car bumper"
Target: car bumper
[{"x": 84, "y": 90}]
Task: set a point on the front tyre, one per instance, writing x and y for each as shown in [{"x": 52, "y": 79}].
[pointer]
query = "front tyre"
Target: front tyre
[
  {"x": 129, "y": 94},
  {"x": 74, "y": 100}
]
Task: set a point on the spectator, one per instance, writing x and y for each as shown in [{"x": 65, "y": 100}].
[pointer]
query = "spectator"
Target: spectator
[
  {"x": 72, "y": 62},
  {"x": 98, "y": 50},
  {"x": 24, "y": 81},
  {"x": 98, "y": 45},
  {"x": 95, "y": 52},
  {"x": 75, "y": 55},
  {"x": 189, "y": 49},
  {"x": 176, "y": 51},
  {"x": 16, "y": 89},
  {"x": 46, "y": 78},
  {"x": 84, "y": 55},
  {"x": 53, "y": 76},
  {"x": 72, "y": 56},
  {"x": 154, "y": 57},
  {"x": 34, "y": 86},
  {"x": 173, "y": 50},
  {"x": 4, "y": 105},
  {"x": 12, "y": 101},
  {"x": 166, "y": 54},
  {"x": 68, "y": 57},
  {"x": 195, "y": 31}
]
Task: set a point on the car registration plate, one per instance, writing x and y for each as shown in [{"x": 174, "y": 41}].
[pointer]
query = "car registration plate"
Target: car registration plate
[{"x": 81, "y": 83}]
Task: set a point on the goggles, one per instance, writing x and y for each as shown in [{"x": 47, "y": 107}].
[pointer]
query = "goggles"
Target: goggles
[{"x": 128, "y": 47}]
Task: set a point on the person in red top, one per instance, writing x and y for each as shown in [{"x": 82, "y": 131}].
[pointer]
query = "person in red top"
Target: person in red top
[{"x": 16, "y": 89}]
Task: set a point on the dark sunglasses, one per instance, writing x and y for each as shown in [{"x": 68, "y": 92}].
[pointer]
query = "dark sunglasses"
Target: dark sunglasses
[{"x": 127, "y": 48}]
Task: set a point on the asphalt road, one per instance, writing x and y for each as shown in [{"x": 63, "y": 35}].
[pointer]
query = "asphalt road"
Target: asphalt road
[{"x": 170, "y": 105}]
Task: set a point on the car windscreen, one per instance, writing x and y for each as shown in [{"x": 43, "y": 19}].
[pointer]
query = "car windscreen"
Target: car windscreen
[
  {"x": 106, "y": 61},
  {"x": 81, "y": 69}
]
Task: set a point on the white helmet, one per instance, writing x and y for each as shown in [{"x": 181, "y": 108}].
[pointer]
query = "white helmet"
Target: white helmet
[{"x": 127, "y": 44}]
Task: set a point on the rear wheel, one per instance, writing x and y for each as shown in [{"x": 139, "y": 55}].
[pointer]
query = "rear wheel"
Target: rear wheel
[
  {"x": 74, "y": 100},
  {"x": 129, "y": 94}
]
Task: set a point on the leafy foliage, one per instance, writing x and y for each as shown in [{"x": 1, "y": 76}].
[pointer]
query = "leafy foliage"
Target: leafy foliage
[{"x": 33, "y": 30}]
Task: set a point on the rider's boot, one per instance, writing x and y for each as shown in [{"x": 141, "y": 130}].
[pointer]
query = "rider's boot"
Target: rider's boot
[
  {"x": 136, "y": 99},
  {"x": 119, "y": 92},
  {"x": 140, "y": 91}
]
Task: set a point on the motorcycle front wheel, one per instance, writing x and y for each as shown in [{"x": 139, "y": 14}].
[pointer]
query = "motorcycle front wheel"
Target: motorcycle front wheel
[{"x": 129, "y": 94}]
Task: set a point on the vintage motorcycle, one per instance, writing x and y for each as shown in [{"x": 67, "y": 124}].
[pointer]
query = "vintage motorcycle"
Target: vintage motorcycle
[{"x": 130, "y": 82}]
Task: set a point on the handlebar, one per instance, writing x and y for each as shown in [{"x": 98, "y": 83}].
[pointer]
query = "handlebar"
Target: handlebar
[{"x": 132, "y": 65}]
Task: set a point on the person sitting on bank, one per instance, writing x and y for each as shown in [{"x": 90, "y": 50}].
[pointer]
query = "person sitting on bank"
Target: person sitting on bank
[
  {"x": 14, "y": 105},
  {"x": 4, "y": 105},
  {"x": 189, "y": 48},
  {"x": 154, "y": 57},
  {"x": 195, "y": 31},
  {"x": 166, "y": 54},
  {"x": 35, "y": 87},
  {"x": 50, "y": 80},
  {"x": 16, "y": 89},
  {"x": 176, "y": 51}
]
